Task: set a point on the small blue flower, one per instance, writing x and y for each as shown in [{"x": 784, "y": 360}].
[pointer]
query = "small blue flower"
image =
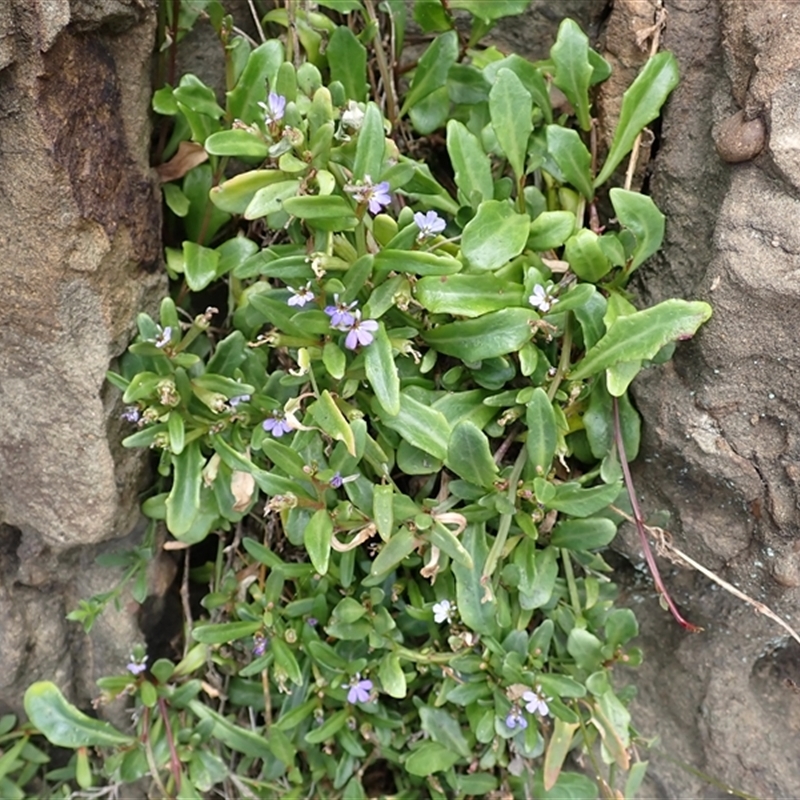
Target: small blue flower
[
  {"x": 137, "y": 667},
  {"x": 429, "y": 224},
  {"x": 301, "y": 296},
  {"x": 516, "y": 720},
  {"x": 361, "y": 332},
  {"x": 274, "y": 108},
  {"x": 239, "y": 398},
  {"x": 375, "y": 195},
  {"x": 131, "y": 414},
  {"x": 341, "y": 314},
  {"x": 276, "y": 424},
  {"x": 358, "y": 690},
  {"x": 336, "y": 481},
  {"x": 259, "y": 645},
  {"x": 164, "y": 337}
]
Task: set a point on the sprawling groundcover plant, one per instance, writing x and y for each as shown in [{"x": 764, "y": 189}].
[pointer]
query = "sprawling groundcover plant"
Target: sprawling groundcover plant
[{"x": 395, "y": 394}]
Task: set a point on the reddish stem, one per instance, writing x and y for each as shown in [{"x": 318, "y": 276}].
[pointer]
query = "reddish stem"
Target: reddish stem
[
  {"x": 639, "y": 521},
  {"x": 174, "y": 761}
]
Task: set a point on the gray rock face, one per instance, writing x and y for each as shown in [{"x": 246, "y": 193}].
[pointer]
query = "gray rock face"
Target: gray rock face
[
  {"x": 80, "y": 245},
  {"x": 722, "y": 449}
]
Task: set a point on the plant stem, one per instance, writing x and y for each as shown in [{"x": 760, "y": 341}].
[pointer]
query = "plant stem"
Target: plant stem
[
  {"x": 573, "y": 587},
  {"x": 383, "y": 66},
  {"x": 639, "y": 522},
  {"x": 504, "y": 526}
]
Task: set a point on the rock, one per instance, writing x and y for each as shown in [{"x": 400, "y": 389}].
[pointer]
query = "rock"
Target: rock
[
  {"x": 80, "y": 239},
  {"x": 740, "y": 139}
]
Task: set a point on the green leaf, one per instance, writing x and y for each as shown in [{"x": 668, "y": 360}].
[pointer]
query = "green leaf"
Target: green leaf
[
  {"x": 236, "y": 193},
  {"x": 269, "y": 199},
  {"x": 511, "y": 107},
  {"x": 285, "y": 659},
  {"x": 225, "y": 632},
  {"x": 531, "y": 78},
  {"x": 490, "y": 10},
  {"x": 391, "y": 676},
  {"x": 335, "y": 360},
  {"x": 421, "y": 426},
  {"x": 585, "y": 256},
  {"x": 431, "y": 757},
  {"x": 571, "y": 498},
  {"x": 443, "y": 538},
  {"x": 443, "y": 728},
  {"x": 641, "y": 335},
  {"x": 613, "y": 721},
  {"x": 495, "y": 235},
  {"x": 598, "y": 420},
  {"x": 347, "y": 59},
  {"x": 585, "y": 648},
  {"x": 200, "y": 265},
  {"x": 573, "y": 72},
  {"x": 328, "y": 729},
  {"x": 261, "y": 68},
  {"x": 317, "y": 540},
  {"x": 330, "y": 418},
  {"x": 240, "y": 739},
  {"x": 394, "y": 551},
  {"x": 640, "y": 215},
  {"x": 238, "y": 142},
  {"x": 572, "y": 157},
  {"x": 315, "y": 207},
  {"x": 584, "y": 534},
  {"x": 469, "y": 455},
  {"x": 416, "y": 263},
  {"x": 177, "y": 202},
  {"x": 620, "y": 627},
  {"x": 491, "y": 335},
  {"x": 430, "y": 113},
  {"x": 183, "y": 501},
  {"x": 569, "y": 786},
  {"x": 176, "y": 431},
  {"x": 382, "y": 372},
  {"x": 432, "y": 69},
  {"x": 370, "y": 145},
  {"x": 476, "y": 615},
  {"x": 197, "y": 97},
  {"x": 550, "y": 230},
  {"x": 542, "y": 432},
  {"x": 467, "y": 295},
  {"x": 64, "y": 725},
  {"x": 471, "y": 165},
  {"x": 641, "y": 104}
]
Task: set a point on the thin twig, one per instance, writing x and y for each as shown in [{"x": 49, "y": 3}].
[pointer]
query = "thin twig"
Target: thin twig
[
  {"x": 186, "y": 604},
  {"x": 383, "y": 66},
  {"x": 257, "y": 21},
  {"x": 666, "y": 548}
]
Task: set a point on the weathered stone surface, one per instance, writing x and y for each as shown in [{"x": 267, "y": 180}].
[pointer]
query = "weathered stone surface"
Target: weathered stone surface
[
  {"x": 722, "y": 441},
  {"x": 80, "y": 245}
]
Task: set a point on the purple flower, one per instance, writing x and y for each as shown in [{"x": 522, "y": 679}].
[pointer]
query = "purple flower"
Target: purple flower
[
  {"x": 164, "y": 337},
  {"x": 274, "y": 108},
  {"x": 429, "y": 224},
  {"x": 536, "y": 702},
  {"x": 301, "y": 296},
  {"x": 137, "y": 667},
  {"x": 361, "y": 332},
  {"x": 516, "y": 720},
  {"x": 340, "y": 314},
  {"x": 358, "y": 691},
  {"x": 376, "y": 196},
  {"x": 239, "y": 398},
  {"x": 542, "y": 298},
  {"x": 260, "y": 645},
  {"x": 131, "y": 414},
  {"x": 276, "y": 424},
  {"x": 313, "y": 622},
  {"x": 336, "y": 481}
]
